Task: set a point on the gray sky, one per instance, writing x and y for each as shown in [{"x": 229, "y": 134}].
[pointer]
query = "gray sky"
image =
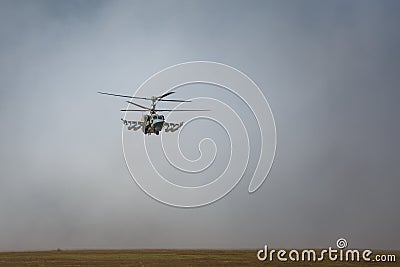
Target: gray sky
[{"x": 328, "y": 69}]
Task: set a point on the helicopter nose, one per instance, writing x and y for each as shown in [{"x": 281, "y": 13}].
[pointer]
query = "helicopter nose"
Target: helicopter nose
[{"x": 158, "y": 124}]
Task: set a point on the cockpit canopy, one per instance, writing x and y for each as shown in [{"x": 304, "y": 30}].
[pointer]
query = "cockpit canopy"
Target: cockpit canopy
[{"x": 154, "y": 117}]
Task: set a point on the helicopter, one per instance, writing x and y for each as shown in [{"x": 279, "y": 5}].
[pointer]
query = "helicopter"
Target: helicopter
[{"x": 152, "y": 123}]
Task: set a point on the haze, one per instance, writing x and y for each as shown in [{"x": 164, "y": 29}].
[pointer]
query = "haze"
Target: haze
[{"x": 330, "y": 71}]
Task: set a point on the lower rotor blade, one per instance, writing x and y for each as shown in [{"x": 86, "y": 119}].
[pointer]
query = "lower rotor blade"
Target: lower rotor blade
[
  {"x": 140, "y": 106},
  {"x": 142, "y": 110}
]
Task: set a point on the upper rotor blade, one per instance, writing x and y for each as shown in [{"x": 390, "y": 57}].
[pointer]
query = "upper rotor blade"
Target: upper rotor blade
[
  {"x": 174, "y": 100},
  {"x": 182, "y": 110},
  {"x": 140, "y": 106},
  {"x": 164, "y": 95},
  {"x": 127, "y": 96}
]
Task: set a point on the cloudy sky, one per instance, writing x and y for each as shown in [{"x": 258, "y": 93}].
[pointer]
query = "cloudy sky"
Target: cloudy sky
[{"x": 330, "y": 72}]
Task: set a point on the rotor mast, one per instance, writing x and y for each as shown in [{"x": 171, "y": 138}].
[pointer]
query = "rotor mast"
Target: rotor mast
[{"x": 154, "y": 100}]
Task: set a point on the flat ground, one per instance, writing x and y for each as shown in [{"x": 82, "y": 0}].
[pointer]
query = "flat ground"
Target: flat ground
[{"x": 150, "y": 257}]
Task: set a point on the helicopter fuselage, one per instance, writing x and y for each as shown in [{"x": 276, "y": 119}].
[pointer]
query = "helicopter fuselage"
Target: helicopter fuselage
[{"x": 153, "y": 123}]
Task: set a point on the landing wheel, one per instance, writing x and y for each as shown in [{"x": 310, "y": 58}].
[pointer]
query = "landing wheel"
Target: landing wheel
[{"x": 157, "y": 133}]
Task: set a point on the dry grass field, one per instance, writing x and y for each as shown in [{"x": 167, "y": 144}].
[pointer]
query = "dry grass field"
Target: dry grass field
[{"x": 158, "y": 257}]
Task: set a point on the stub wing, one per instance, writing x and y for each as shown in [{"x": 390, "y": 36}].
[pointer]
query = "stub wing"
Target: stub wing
[
  {"x": 133, "y": 125},
  {"x": 137, "y": 125},
  {"x": 172, "y": 127}
]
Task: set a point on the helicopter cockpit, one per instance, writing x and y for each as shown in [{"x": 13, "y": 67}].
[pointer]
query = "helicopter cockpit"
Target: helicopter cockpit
[{"x": 153, "y": 117}]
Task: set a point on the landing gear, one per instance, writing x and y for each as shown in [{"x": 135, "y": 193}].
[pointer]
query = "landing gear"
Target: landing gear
[{"x": 157, "y": 133}]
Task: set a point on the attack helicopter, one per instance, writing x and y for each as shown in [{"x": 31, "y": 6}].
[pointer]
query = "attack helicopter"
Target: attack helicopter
[{"x": 152, "y": 123}]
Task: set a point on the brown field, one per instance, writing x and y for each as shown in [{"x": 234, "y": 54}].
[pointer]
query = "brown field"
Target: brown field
[{"x": 160, "y": 257}]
